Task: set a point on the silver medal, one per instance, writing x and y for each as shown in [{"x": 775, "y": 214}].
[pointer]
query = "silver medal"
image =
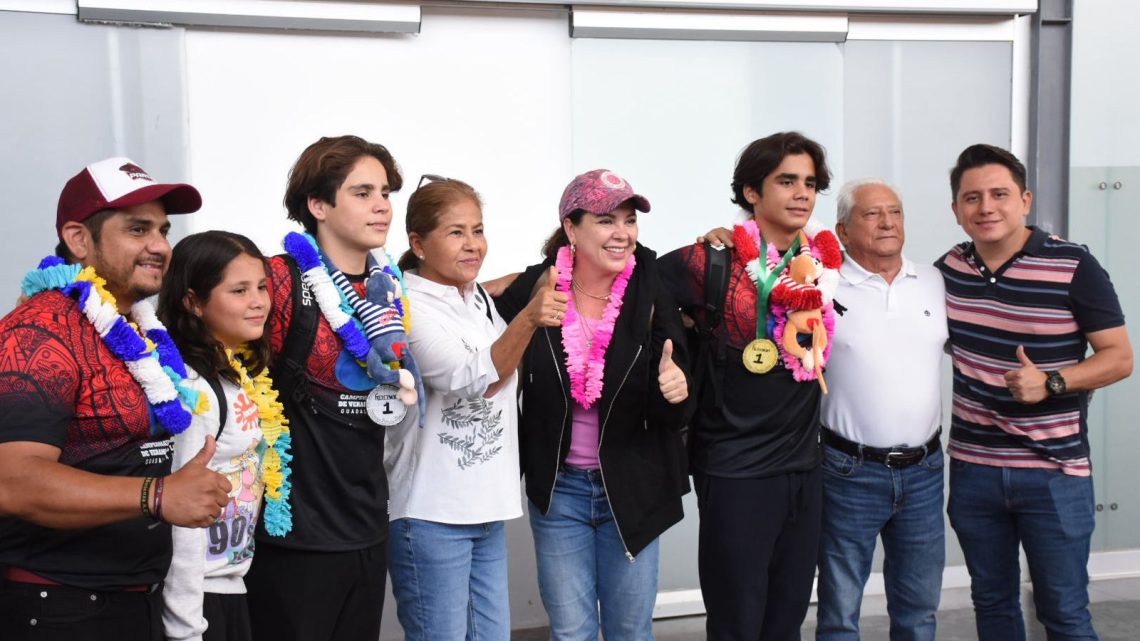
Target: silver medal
[{"x": 384, "y": 407}]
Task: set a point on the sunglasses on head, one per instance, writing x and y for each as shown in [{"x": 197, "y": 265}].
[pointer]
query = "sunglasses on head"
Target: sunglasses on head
[{"x": 431, "y": 178}]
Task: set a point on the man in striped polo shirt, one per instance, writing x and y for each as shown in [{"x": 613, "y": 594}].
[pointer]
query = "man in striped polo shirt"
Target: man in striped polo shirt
[{"x": 1023, "y": 308}]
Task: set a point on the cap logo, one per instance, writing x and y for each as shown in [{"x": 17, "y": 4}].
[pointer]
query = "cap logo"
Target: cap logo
[
  {"x": 612, "y": 180},
  {"x": 134, "y": 172}
]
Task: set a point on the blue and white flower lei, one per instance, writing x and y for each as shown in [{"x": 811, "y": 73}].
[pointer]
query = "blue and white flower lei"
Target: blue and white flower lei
[
  {"x": 332, "y": 303},
  {"x": 152, "y": 358}
]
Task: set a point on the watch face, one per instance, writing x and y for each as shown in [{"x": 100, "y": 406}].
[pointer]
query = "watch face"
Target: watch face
[{"x": 1056, "y": 383}]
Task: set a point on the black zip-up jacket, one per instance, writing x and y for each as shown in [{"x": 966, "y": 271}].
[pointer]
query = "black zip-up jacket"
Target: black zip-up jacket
[{"x": 641, "y": 454}]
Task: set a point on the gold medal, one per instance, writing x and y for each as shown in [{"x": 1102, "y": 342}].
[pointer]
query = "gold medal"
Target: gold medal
[{"x": 760, "y": 356}]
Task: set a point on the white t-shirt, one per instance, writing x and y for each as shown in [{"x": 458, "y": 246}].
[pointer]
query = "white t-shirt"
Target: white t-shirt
[
  {"x": 885, "y": 370},
  {"x": 215, "y": 559},
  {"x": 462, "y": 466}
]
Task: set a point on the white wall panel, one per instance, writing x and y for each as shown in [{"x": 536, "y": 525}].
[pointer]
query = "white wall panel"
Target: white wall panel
[
  {"x": 476, "y": 97},
  {"x": 672, "y": 117},
  {"x": 1106, "y": 84}
]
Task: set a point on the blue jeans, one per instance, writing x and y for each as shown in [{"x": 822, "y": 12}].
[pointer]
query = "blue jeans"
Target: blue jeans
[
  {"x": 863, "y": 500},
  {"x": 450, "y": 581},
  {"x": 582, "y": 563},
  {"x": 1050, "y": 514}
]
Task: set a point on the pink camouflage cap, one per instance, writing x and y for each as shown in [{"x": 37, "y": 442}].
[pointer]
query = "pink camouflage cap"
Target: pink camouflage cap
[{"x": 598, "y": 192}]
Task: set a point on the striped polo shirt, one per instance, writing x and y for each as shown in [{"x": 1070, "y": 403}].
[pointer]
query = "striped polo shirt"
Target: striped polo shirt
[{"x": 1048, "y": 297}]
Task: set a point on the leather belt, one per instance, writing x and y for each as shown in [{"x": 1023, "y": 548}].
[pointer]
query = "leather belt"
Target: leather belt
[
  {"x": 892, "y": 457},
  {"x": 20, "y": 575}
]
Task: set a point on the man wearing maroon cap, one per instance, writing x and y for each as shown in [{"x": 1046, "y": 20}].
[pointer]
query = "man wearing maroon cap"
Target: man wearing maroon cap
[{"x": 86, "y": 493}]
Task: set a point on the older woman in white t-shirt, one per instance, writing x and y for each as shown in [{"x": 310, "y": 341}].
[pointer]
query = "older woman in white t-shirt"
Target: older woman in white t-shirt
[{"x": 455, "y": 481}]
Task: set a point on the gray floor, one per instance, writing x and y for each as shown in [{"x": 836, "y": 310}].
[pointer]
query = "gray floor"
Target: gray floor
[{"x": 1115, "y": 611}]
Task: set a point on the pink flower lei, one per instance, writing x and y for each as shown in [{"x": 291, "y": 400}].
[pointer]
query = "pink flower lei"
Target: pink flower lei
[{"x": 586, "y": 368}]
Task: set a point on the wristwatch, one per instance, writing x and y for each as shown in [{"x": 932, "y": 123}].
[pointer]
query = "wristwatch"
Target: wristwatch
[{"x": 1055, "y": 383}]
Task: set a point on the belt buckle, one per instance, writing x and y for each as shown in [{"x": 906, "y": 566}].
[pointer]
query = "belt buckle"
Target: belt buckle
[{"x": 896, "y": 459}]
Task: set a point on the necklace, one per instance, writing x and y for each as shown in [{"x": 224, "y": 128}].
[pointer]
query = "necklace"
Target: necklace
[
  {"x": 277, "y": 514},
  {"x": 586, "y": 358},
  {"x": 591, "y": 329},
  {"x": 580, "y": 290},
  {"x": 143, "y": 345}
]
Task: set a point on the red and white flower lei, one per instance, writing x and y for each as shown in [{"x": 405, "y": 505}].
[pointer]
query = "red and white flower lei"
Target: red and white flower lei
[{"x": 825, "y": 247}]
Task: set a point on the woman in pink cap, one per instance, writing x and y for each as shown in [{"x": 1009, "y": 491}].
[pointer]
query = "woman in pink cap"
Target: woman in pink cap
[{"x": 603, "y": 400}]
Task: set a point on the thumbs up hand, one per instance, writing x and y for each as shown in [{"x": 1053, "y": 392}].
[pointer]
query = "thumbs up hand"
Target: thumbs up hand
[
  {"x": 1027, "y": 382},
  {"x": 547, "y": 306},
  {"x": 670, "y": 378},
  {"x": 195, "y": 495}
]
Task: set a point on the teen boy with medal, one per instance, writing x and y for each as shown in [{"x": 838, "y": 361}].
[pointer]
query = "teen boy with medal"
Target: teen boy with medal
[
  {"x": 761, "y": 354},
  {"x": 754, "y": 438},
  {"x": 337, "y": 325},
  {"x": 88, "y": 407}
]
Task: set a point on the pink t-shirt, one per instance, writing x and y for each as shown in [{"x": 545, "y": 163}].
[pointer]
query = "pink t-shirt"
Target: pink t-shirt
[{"x": 583, "y": 437}]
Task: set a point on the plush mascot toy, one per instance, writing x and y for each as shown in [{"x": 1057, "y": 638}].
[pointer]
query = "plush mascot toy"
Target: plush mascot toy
[
  {"x": 382, "y": 347},
  {"x": 805, "y": 291},
  {"x": 389, "y": 359}
]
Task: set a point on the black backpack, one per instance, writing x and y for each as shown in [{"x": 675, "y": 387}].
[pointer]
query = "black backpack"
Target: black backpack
[
  {"x": 289, "y": 371},
  {"x": 220, "y": 395},
  {"x": 706, "y": 347}
]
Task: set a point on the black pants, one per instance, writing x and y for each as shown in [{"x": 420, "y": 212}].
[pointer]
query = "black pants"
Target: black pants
[
  {"x": 759, "y": 540},
  {"x": 58, "y": 613},
  {"x": 227, "y": 616},
  {"x": 297, "y": 595}
]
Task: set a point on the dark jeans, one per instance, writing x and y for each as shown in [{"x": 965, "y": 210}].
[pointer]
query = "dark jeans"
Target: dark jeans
[
  {"x": 59, "y": 613},
  {"x": 227, "y": 616},
  {"x": 298, "y": 595},
  {"x": 759, "y": 539},
  {"x": 1050, "y": 514}
]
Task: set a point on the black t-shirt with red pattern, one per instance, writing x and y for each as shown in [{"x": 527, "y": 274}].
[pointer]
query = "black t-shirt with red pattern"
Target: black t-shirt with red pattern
[
  {"x": 60, "y": 385},
  {"x": 340, "y": 491},
  {"x": 768, "y": 424}
]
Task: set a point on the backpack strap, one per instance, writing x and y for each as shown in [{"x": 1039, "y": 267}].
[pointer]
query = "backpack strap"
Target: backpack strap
[
  {"x": 708, "y": 354},
  {"x": 717, "y": 270},
  {"x": 486, "y": 302},
  {"x": 220, "y": 395},
  {"x": 289, "y": 375}
]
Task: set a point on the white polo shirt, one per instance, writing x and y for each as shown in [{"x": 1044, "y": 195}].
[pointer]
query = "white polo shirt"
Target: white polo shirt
[{"x": 885, "y": 371}]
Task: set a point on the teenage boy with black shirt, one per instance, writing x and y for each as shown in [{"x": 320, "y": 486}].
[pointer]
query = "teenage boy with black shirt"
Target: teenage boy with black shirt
[
  {"x": 325, "y": 578},
  {"x": 755, "y": 455}
]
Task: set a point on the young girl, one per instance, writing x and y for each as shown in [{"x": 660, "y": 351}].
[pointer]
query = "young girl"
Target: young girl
[{"x": 214, "y": 303}]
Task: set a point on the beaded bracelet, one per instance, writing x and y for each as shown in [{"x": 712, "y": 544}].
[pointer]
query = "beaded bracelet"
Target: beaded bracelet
[
  {"x": 158, "y": 498},
  {"x": 144, "y": 497}
]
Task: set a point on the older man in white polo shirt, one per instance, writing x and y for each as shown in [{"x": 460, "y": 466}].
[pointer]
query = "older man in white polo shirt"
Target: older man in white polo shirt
[{"x": 882, "y": 460}]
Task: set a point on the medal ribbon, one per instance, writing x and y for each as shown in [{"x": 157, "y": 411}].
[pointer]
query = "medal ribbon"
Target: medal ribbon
[{"x": 767, "y": 282}]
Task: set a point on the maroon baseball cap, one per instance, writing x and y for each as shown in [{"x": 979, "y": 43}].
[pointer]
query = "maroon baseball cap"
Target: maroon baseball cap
[
  {"x": 598, "y": 192},
  {"x": 115, "y": 183}
]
